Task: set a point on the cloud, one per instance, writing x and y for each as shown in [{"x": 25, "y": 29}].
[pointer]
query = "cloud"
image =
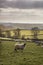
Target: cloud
[
  {"x": 22, "y": 4},
  {"x": 11, "y": 0}
]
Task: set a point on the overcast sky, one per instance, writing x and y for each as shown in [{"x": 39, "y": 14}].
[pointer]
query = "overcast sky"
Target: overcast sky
[
  {"x": 23, "y": 11},
  {"x": 23, "y": 4}
]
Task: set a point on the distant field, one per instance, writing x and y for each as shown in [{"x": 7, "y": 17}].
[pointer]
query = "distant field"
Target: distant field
[
  {"x": 31, "y": 55},
  {"x": 28, "y": 32}
]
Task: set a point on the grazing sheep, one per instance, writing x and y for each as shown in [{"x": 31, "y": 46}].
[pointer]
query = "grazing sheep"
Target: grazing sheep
[{"x": 19, "y": 46}]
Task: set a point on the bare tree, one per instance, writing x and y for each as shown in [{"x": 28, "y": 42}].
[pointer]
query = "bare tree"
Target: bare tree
[
  {"x": 16, "y": 35},
  {"x": 8, "y": 33},
  {"x": 35, "y": 31},
  {"x": 0, "y": 32},
  {"x": 18, "y": 32}
]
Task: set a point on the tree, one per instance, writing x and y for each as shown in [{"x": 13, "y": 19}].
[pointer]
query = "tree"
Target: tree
[
  {"x": 35, "y": 31},
  {"x": 15, "y": 36},
  {"x": 0, "y": 32},
  {"x": 8, "y": 33},
  {"x": 18, "y": 32}
]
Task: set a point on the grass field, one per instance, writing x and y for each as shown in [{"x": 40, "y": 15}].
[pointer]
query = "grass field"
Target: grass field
[
  {"x": 26, "y": 33},
  {"x": 31, "y": 55}
]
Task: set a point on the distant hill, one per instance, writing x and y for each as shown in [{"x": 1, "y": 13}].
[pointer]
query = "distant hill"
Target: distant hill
[{"x": 22, "y": 26}]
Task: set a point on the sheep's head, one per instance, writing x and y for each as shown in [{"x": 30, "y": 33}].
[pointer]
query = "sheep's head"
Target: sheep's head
[{"x": 24, "y": 44}]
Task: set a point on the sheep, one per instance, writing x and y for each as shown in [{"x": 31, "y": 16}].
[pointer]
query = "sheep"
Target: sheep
[{"x": 19, "y": 46}]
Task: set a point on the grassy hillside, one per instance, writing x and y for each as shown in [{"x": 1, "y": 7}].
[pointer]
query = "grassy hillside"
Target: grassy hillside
[
  {"x": 27, "y": 32},
  {"x": 31, "y": 55}
]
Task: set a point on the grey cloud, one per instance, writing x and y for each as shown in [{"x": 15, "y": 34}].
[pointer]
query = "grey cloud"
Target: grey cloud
[{"x": 23, "y": 4}]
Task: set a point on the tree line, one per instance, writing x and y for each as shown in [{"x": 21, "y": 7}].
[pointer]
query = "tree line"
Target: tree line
[{"x": 35, "y": 31}]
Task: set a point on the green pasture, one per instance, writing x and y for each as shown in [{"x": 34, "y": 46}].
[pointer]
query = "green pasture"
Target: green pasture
[
  {"x": 31, "y": 55},
  {"x": 26, "y": 33}
]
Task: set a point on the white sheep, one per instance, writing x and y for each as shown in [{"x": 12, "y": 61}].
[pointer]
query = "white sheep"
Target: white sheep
[{"x": 19, "y": 46}]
